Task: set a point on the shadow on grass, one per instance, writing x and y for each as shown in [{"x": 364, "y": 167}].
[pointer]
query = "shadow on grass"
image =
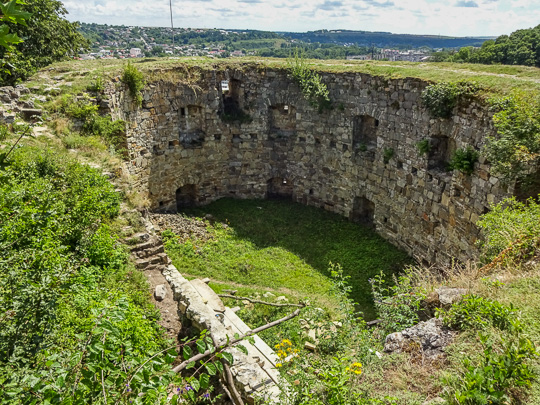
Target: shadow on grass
[{"x": 316, "y": 236}]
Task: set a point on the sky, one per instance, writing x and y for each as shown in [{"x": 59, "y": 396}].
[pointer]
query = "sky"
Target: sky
[{"x": 433, "y": 17}]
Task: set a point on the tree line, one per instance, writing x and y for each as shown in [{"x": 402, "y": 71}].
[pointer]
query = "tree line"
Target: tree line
[{"x": 521, "y": 47}]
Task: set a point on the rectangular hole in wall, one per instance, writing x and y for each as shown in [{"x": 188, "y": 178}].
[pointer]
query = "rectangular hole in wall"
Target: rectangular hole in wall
[
  {"x": 217, "y": 137},
  {"x": 414, "y": 170},
  {"x": 182, "y": 111}
]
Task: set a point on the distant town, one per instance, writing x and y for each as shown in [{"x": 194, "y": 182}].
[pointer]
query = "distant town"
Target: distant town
[{"x": 122, "y": 42}]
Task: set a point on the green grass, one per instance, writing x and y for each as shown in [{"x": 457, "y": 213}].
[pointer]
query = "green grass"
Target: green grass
[
  {"x": 287, "y": 247},
  {"x": 499, "y": 79}
]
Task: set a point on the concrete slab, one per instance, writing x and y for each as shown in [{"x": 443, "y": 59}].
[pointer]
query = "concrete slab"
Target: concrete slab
[{"x": 210, "y": 298}]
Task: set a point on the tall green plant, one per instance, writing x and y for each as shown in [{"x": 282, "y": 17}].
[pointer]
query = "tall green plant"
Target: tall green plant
[
  {"x": 514, "y": 152},
  {"x": 311, "y": 84},
  {"x": 134, "y": 79}
]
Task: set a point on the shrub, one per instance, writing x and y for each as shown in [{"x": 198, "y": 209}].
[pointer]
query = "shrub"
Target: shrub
[
  {"x": 499, "y": 377},
  {"x": 314, "y": 90},
  {"x": 398, "y": 305},
  {"x": 510, "y": 222},
  {"x": 516, "y": 148},
  {"x": 134, "y": 79},
  {"x": 97, "y": 86},
  {"x": 464, "y": 160},
  {"x": 476, "y": 312},
  {"x": 441, "y": 98}
]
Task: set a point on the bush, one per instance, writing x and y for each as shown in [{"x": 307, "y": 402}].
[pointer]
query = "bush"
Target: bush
[
  {"x": 464, "y": 160},
  {"x": 510, "y": 222},
  {"x": 86, "y": 111},
  {"x": 398, "y": 305},
  {"x": 135, "y": 82},
  {"x": 516, "y": 148},
  {"x": 441, "y": 98},
  {"x": 474, "y": 312},
  {"x": 314, "y": 90},
  {"x": 499, "y": 377}
]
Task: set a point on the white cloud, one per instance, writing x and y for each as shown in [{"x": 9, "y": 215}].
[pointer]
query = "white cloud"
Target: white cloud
[{"x": 459, "y": 17}]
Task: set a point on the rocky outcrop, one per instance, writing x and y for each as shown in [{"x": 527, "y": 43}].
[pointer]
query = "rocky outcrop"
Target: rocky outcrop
[{"x": 429, "y": 338}]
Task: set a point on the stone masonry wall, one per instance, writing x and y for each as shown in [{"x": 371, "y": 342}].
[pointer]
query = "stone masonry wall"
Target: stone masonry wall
[{"x": 359, "y": 159}]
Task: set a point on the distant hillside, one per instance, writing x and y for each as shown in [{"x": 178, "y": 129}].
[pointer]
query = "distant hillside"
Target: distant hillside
[
  {"x": 385, "y": 39},
  {"x": 521, "y": 47}
]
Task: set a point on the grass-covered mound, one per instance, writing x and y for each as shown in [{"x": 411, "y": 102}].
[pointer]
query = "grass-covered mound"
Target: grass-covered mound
[{"x": 288, "y": 246}]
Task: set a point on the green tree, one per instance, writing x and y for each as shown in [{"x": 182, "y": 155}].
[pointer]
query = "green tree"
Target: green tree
[
  {"x": 48, "y": 37},
  {"x": 11, "y": 13}
]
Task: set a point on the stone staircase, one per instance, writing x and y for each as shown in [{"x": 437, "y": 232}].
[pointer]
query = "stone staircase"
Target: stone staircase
[
  {"x": 255, "y": 373},
  {"x": 148, "y": 252}
]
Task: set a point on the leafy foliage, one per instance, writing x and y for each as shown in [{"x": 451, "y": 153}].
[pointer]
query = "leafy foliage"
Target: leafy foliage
[
  {"x": 441, "y": 98},
  {"x": 314, "y": 90},
  {"x": 499, "y": 377},
  {"x": 388, "y": 154},
  {"x": 516, "y": 148},
  {"x": 464, "y": 160},
  {"x": 522, "y": 47},
  {"x": 85, "y": 111},
  {"x": 134, "y": 79},
  {"x": 423, "y": 147},
  {"x": 11, "y": 12},
  {"x": 48, "y": 37},
  {"x": 510, "y": 222},
  {"x": 477, "y": 312},
  {"x": 398, "y": 304}
]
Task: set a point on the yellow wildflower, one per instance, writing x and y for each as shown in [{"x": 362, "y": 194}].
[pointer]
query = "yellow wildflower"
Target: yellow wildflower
[{"x": 355, "y": 368}]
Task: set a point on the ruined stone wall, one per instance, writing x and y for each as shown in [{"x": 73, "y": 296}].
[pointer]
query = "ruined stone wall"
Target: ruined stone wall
[{"x": 359, "y": 159}]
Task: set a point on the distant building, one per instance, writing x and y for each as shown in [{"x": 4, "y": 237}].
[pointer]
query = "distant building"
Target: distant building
[{"x": 135, "y": 52}]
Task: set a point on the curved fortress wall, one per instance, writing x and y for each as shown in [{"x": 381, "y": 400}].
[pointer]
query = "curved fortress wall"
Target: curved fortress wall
[{"x": 359, "y": 159}]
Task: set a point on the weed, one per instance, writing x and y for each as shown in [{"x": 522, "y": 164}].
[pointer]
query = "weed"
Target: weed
[
  {"x": 97, "y": 86},
  {"x": 464, "y": 160},
  {"x": 134, "y": 79},
  {"x": 498, "y": 379},
  {"x": 314, "y": 90},
  {"x": 388, "y": 153},
  {"x": 511, "y": 223},
  {"x": 441, "y": 98},
  {"x": 399, "y": 304},
  {"x": 423, "y": 147},
  {"x": 477, "y": 312}
]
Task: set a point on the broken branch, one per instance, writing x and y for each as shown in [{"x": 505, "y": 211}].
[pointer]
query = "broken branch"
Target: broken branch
[{"x": 200, "y": 356}]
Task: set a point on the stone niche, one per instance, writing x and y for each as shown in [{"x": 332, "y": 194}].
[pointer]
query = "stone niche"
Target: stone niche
[
  {"x": 363, "y": 211},
  {"x": 279, "y": 188},
  {"x": 233, "y": 105},
  {"x": 364, "y": 132},
  {"x": 186, "y": 196},
  {"x": 282, "y": 120},
  {"x": 441, "y": 149},
  {"x": 191, "y": 120}
]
